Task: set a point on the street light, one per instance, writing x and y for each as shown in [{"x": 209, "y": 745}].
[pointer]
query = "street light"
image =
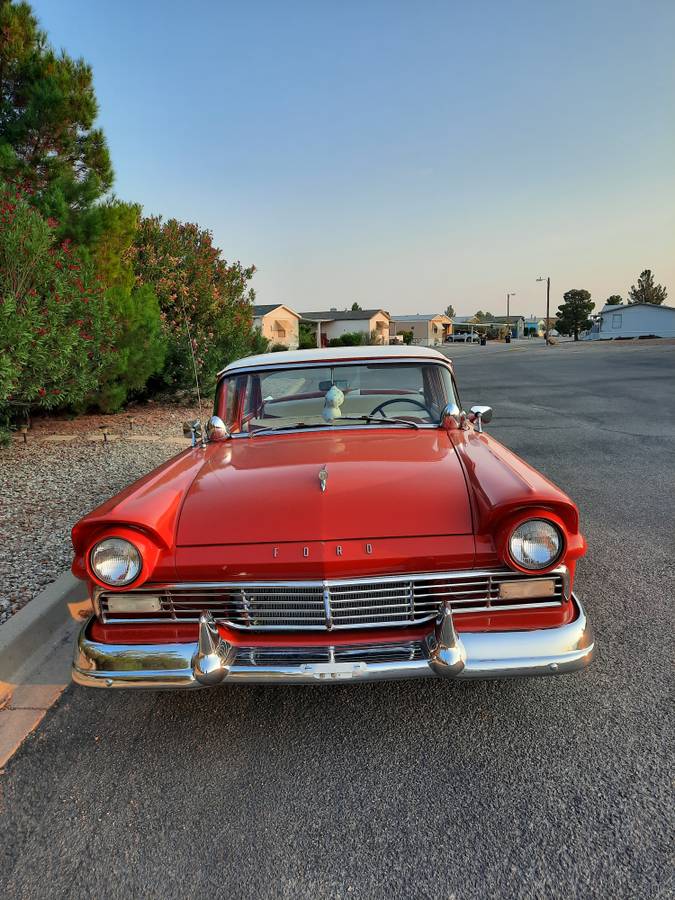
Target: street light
[{"x": 548, "y": 300}]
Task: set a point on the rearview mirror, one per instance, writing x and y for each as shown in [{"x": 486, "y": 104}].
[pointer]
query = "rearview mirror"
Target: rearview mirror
[
  {"x": 482, "y": 415},
  {"x": 452, "y": 416},
  {"x": 216, "y": 429}
]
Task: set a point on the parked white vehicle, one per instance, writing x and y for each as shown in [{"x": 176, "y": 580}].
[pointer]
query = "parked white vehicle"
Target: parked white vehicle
[{"x": 463, "y": 337}]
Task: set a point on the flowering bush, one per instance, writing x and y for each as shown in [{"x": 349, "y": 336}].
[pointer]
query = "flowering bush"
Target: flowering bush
[
  {"x": 53, "y": 315},
  {"x": 192, "y": 282}
]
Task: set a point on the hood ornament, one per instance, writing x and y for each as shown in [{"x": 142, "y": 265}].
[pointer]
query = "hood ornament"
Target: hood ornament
[{"x": 323, "y": 477}]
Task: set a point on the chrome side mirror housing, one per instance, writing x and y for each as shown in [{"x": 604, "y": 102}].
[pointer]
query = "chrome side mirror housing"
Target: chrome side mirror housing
[
  {"x": 217, "y": 430},
  {"x": 452, "y": 416},
  {"x": 192, "y": 430},
  {"x": 482, "y": 415}
]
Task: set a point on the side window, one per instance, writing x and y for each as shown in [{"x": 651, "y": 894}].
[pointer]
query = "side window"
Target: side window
[{"x": 616, "y": 320}]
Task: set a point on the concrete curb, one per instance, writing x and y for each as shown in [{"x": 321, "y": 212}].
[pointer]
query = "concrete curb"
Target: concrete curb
[
  {"x": 35, "y": 653},
  {"x": 34, "y": 625}
]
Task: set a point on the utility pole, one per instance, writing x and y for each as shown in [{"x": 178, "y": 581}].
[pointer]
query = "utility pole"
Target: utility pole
[
  {"x": 508, "y": 303},
  {"x": 548, "y": 304}
]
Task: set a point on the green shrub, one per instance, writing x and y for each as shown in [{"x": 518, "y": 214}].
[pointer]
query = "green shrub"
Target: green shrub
[
  {"x": 140, "y": 346},
  {"x": 306, "y": 337},
  {"x": 54, "y": 325},
  {"x": 278, "y": 348},
  {"x": 349, "y": 339}
]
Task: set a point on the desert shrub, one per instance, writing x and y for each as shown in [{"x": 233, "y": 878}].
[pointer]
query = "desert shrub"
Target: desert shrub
[{"x": 54, "y": 327}]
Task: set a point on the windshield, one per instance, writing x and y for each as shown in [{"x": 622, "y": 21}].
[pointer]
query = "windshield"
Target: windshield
[{"x": 376, "y": 394}]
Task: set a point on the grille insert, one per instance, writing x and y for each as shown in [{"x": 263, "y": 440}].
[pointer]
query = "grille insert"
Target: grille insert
[{"x": 336, "y": 604}]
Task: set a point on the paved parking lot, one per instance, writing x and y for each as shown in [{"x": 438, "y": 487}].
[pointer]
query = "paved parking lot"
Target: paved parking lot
[{"x": 553, "y": 787}]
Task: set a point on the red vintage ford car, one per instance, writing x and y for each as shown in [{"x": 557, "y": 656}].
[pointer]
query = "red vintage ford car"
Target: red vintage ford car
[{"x": 341, "y": 518}]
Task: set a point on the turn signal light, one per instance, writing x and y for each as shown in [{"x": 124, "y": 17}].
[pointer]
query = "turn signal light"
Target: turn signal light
[
  {"x": 118, "y": 603},
  {"x": 523, "y": 590}
]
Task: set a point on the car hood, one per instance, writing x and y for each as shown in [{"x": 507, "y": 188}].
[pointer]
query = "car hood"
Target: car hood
[{"x": 380, "y": 483}]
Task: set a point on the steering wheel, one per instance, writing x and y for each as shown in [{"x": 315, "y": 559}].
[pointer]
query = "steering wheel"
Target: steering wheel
[{"x": 417, "y": 403}]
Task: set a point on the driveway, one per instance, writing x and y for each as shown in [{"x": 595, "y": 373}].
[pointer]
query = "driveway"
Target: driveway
[{"x": 553, "y": 787}]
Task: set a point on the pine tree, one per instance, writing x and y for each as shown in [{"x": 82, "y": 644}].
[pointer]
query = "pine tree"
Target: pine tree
[
  {"x": 48, "y": 145},
  {"x": 574, "y": 313},
  {"x": 646, "y": 291}
]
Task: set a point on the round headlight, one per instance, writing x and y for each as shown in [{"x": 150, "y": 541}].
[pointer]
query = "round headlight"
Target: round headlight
[
  {"x": 535, "y": 544},
  {"x": 115, "y": 561}
]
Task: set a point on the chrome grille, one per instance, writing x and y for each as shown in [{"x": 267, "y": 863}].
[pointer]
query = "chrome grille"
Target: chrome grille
[{"x": 334, "y": 604}]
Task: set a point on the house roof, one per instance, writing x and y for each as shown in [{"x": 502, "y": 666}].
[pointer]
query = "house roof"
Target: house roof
[
  {"x": 498, "y": 320},
  {"x": 624, "y": 307},
  {"x": 336, "y": 315},
  {"x": 265, "y": 309},
  {"x": 376, "y": 353},
  {"x": 420, "y": 317}
]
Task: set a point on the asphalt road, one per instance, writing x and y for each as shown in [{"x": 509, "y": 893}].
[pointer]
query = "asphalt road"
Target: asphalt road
[{"x": 553, "y": 787}]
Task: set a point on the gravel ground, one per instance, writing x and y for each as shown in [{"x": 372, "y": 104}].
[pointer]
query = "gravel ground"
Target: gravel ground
[{"x": 62, "y": 472}]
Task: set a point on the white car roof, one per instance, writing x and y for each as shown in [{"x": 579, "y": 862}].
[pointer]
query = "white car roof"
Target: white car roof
[{"x": 334, "y": 354}]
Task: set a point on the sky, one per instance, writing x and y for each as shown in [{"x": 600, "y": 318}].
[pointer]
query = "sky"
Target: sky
[{"x": 404, "y": 155}]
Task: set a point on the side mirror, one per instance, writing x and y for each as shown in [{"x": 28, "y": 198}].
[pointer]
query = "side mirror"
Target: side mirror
[
  {"x": 482, "y": 415},
  {"x": 216, "y": 429},
  {"x": 452, "y": 416},
  {"x": 192, "y": 430}
]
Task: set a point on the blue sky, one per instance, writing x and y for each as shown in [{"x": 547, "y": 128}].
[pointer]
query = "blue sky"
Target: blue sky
[{"x": 405, "y": 155}]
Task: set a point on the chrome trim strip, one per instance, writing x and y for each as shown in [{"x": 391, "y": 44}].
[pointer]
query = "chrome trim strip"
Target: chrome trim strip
[
  {"x": 338, "y": 363},
  {"x": 340, "y": 582},
  {"x": 546, "y": 651}
]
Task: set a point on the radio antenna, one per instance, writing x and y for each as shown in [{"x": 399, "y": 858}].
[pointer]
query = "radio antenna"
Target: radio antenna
[{"x": 194, "y": 367}]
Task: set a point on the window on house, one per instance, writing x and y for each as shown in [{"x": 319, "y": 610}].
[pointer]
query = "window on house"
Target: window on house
[{"x": 616, "y": 320}]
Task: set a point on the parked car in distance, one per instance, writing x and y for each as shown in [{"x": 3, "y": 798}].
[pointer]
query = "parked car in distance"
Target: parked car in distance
[
  {"x": 463, "y": 337},
  {"x": 339, "y": 518}
]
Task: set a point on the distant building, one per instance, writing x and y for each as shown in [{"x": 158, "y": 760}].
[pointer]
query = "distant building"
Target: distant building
[
  {"x": 428, "y": 330},
  {"x": 534, "y": 326},
  {"x": 632, "y": 321},
  {"x": 332, "y": 323},
  {"x": 278, "y": 323},
  {"x": 471, "y": 323}
]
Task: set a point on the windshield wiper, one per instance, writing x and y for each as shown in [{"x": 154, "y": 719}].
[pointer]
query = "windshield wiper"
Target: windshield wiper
[
  {"x": 286, "y": 427},
  {"x": 367, "y": 418},
  {"x": 364, "y": 418}
]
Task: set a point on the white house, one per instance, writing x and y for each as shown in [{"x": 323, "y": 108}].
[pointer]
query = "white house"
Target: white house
[
  {"x": 634, "y": 321},
  {"x": 333, "y": 323}
]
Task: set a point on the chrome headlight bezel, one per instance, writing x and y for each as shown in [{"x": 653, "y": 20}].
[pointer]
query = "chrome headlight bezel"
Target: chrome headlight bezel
[
  {"x": 523, "y": 559},
  {"x": 125, "y": 551}
]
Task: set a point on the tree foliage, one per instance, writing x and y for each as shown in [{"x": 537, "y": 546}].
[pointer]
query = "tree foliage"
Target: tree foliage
[
  {"x": 574, "y": 312},
  {"x": 355, "y": 306},
  {"x": 645, "y": 291},
  {"x": 614, "y": 300},
  {"x": 450, "y": 311},
  {"x": 140, "y": 345},
  {"x": 192, "y": 282},
  {"x": 481, "y": 316},
  {"x": 54, "y": 325},
  {"x": 48, "y": 145}
]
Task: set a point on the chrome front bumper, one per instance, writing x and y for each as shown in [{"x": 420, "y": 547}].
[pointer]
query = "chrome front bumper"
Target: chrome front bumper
[{"x": 443, "y": 653}]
